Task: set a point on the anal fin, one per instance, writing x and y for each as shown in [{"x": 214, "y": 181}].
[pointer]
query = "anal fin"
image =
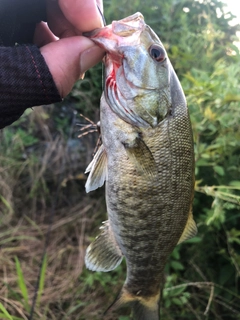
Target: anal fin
[
  {"x": 103, "y": 254},
  {"x": 97, "y": 169},
  {"x": 190, "y": 229}
]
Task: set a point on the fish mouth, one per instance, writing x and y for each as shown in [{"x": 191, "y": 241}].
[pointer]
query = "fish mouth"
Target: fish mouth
[
  {"x": 118, "y": 33},
  {"x": 114, "y": 39},
  {"x": 117, "y": 28}
]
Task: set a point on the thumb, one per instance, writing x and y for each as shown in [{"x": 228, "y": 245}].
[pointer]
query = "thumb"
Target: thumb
[{"x": 68, "y": 59}]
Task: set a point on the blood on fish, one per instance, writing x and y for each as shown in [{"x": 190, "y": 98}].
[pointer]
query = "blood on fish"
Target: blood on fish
[
  {"x": 111, "y": 82},
  {"x": 105, "y": 33}
]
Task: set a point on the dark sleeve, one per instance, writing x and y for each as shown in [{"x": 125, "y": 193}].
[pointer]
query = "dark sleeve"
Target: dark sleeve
[
  {"x": 18, "y": 20},
  {"x": 25, "y": 81}
]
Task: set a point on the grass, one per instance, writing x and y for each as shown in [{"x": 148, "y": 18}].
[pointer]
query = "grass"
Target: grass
[
  {"x": 60, "y": 281},
  {"x": 35, "y": 176}
]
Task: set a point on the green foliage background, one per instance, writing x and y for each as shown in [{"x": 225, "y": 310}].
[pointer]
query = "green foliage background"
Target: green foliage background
[{"x": 42, "y": 163}]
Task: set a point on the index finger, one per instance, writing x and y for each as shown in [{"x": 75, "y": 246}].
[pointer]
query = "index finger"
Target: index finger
[{"x": 83, "y": 15}]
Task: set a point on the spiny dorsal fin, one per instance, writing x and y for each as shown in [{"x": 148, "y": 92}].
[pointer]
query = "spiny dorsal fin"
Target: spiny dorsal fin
[
  {"x": 103, "y": 254},
  {"x": 190, "y": 229},
  {"x": 141, "y": 156},
  {"x": 97, "y": 169}
]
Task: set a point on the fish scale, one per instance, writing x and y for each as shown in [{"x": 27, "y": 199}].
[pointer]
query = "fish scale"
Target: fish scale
[{"x": 146, "y": 161}]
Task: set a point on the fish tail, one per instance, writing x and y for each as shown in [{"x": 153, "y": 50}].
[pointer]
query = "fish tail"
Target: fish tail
[
  {"x": 143, "y": 311},
  {"x": 143, "y": 308}
]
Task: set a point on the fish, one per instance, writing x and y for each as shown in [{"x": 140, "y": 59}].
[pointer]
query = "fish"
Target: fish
[{"x": 146, "y": 161}]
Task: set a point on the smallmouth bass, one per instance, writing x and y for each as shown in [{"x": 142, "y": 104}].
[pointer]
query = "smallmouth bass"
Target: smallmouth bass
[{"x": 146, "y": 160}]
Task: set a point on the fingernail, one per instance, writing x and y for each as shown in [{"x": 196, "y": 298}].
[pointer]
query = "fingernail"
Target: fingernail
[
  {"x": 90, "y": 57},
  {"x": 82, "y": 76}
]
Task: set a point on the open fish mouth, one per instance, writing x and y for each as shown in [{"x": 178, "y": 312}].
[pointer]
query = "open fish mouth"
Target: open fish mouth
[{"x": 122, "y": 28}]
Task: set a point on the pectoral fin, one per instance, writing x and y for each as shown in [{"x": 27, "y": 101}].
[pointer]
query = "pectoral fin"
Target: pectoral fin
[
  {"x": 103, "y": 254},
  {"x": 190, "y": 229},
  {"x": 141, "y": 156},
  {"x": 97, "y": 169}
]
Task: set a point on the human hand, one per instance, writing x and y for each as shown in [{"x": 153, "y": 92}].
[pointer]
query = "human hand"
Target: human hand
[{"x": 70, "y": 56}]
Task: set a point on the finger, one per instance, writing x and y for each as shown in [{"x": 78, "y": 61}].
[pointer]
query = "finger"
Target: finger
[
  {"x": 57, "y": 22},
  {"x": 43, "y": 35},
  {"x": 69, "y": 58},
  {"x": 83, "y": 15}
]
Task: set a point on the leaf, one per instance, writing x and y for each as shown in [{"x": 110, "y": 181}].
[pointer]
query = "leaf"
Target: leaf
[
  {"x": 42, "y": 279},
  {"x": 184, "y": 299},
  {"x": 176, "y": 254},
  {"x": 231, "y": 97},
  {"x": 193, "y": 240},
  {"x": 21, "y": 284},
  {"x": 176, "y": 265},
  {"x": 175, "y": 291},
  {"x": 235, "y": 183},
  {"x": 13, "y": 317},
  {"x": 7, "y": 204},
  {"x": 209, "y": 114},
  {"x": 167, "y": 303},
  {"x": 8, "y": 316},
  {"x": 73, "y": 309},
  {"x": 219, "y": 170},
  {"x": 177, "y": 301},
  {"x": 234, "y": 236}
]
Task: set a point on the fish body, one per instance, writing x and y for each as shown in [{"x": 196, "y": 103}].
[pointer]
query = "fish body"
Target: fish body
[{"x": 146, "y": 160}]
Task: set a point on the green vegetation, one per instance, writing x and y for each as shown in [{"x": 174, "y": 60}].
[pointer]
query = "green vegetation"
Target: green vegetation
[{"x": 41, "y": 172}]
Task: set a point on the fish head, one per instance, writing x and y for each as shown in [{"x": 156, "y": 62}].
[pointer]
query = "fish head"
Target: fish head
[{"x": 138, "y": 72}]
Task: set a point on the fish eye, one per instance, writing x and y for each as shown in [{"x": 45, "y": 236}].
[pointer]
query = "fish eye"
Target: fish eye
[{"x": 157, "y": 53}]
